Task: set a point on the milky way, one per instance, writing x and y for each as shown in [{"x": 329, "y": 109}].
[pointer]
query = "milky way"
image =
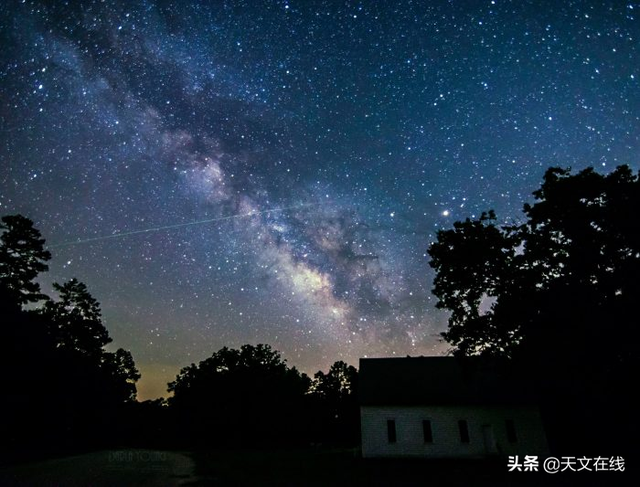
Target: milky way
[{"x": 373, "y": 124}]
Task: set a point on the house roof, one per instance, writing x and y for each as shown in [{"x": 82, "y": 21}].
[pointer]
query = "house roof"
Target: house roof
[{"x": 415, "y": 381}]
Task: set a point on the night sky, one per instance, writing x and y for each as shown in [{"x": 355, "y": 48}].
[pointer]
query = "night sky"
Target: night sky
[{"x": 324, "y": 143}]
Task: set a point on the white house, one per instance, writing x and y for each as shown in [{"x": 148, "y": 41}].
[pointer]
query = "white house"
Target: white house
[{"x": 439, "y": 407}]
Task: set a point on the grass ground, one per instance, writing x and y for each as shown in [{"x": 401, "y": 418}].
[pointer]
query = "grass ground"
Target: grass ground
[
  {"x": 103, "y": 469},
  {"x": 345, "y": 468},
  {"x": 293, "y": 467}
]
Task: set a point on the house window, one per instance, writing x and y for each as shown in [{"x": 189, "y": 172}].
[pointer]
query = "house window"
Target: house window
[
  {"x": 391, "y": 430},
  {"x": 511, "y": 431},
  {"x": 426, "y": 431},
  {"x": 464, "y": 430}
]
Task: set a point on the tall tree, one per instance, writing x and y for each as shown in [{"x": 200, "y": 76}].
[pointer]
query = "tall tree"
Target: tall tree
[
  {"x": 76, "y": 319},
  {"x": 77, "y": 331},
  {"x": 474, "y": 263},
  {"x": 556, "y": 293},
  {"x": 62, "y": 387},
  {"x": 121, "y": 375},
  {"x": 338, "y": 384},
  {"x": 336, "y": 404},
  {"x": 22, "y": 258}
]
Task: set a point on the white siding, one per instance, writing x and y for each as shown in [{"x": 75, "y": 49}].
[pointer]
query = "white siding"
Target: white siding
[{"x": 530, "y": 435}]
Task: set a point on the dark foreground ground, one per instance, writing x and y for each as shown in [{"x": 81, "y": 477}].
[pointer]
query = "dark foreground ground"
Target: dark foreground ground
[
  {"x": 104, "y": 468},
  {"x": 306, "y": 467}
]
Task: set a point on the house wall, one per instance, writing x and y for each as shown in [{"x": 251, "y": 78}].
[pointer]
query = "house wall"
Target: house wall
[{"x": 530, "y": 436}]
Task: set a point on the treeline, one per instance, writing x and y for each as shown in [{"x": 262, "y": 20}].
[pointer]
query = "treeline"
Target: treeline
[
  {"x": 251, "y": 397},
  {"x": 64, "y": 391},
  {"x": 61, "y": 387}
]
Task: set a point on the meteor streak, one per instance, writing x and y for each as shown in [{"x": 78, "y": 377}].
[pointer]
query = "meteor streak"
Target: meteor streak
[{"x": 179, "y": 225}]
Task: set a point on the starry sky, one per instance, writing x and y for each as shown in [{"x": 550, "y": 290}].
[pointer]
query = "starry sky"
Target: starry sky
[{"x": 291, "y": 161}]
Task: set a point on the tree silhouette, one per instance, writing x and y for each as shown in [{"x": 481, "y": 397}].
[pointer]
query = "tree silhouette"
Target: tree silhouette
[
  {"x": 22, "y": 258},
  {"x": 338, "y": 384},
  {"x": 556, "y": 295},
  {"x": 120, "y": 374},
  {"x": 61, "y": 388},
  {"x": 245, "y": 396},
  {"x": 76, "y": 319},
  {"x": 336, "y": 404},
  {"x": 95, "y": 385},
  {"x": 474, "y": 263}
]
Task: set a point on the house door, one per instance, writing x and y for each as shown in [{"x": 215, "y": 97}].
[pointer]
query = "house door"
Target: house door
[{"x": 490, "y": 446}]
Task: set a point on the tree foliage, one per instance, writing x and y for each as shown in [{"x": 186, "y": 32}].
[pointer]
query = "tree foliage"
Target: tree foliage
[
  {"x": 338, "y": 384},
  {"x": 473, "y": 263},
  {"x": 62, "y": 385},
  {"x": 258, "y": 370},
  {"x": 76, "y": 319},
  {"x": 240, "y": 396},
  {"x": 22, "y": 258},
  {"x": 335, "y": 396},
  {"x": 556, "y": 293},
  {"x": 120, "y": 369},
  {"x": 581, "y": 240}
]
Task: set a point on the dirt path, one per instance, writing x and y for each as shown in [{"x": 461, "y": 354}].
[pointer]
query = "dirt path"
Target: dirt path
[{"x": 106, "y": 468}]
